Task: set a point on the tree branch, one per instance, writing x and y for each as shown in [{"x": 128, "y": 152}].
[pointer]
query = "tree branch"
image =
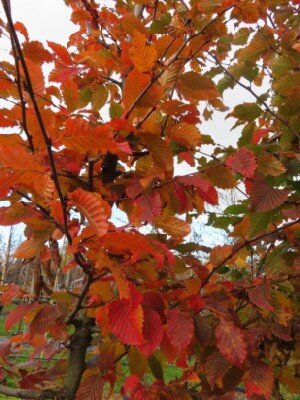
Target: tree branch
[
  {"x": 47, "y": 140},
  {"x": 21, "y": 393},
  {"x": 173, "y": 59},
  {"x": 250, "y": 90},
  {"x": 242, "y": 245}
]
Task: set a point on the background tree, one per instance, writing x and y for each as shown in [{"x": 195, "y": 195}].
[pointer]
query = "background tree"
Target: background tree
[{"x": 101, "y": 134}]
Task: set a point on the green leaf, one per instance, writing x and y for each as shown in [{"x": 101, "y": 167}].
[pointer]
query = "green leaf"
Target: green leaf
[
  {"x": 115, "y": 110},
  {"x": 235, "y": 209},
  {"x": 246, "y": 112},
  {"x": 156, "y": 368},
  {"x": 259, "y": 222}
]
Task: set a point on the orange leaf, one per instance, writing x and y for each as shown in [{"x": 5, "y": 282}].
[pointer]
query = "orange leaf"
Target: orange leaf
[
  {"x": 91, "y": 206},
  {"x": 29, "y": 249},
  {"x": 142, "y": 55},
  {"x": 186, "y": 134},
  {"x": 173, "y": 226}
]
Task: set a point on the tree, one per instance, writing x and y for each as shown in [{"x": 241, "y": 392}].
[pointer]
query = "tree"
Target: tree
[{"x": 102, "y": 132}]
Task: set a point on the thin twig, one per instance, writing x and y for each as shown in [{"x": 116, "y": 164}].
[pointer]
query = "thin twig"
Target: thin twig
[
  {"x": 242, "y": 245},
  {"x": 250, "y": 90}
]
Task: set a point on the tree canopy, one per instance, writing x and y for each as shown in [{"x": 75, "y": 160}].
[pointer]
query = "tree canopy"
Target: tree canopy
[{"x": 107, "y": 126}]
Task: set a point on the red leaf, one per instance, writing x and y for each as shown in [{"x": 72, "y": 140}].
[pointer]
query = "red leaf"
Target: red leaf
[
  {"x": 258, "y": 379},
  {"x": 152, "y": 331},
  {"x": 231, "y": 342},
  {"x": 260, "y": 294},
  {"x": 264, "y": 197},
  {"x": 258, "y": 134},
  {"x": 17, "y": 314},
  {"x": 151, "y": 206},
  {"x": 90, "y": 388},
  {"x": 243, "y": 162},
  {"x": 215, "y": 368},
  {"x": 126, "y": 323},
  {"x": 206, "y": 191},
  {"x": 180, "y": 329}
]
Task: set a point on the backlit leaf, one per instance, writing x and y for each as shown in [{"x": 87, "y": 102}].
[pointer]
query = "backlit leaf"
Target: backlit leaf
[
  {"x": 197, "y": 87},
  {"x": 243, "y": 162},
  {"x": 91, "y": 206},
  {"x": 30, "y": 248},
  {"x": 173, "y": 226},
  {"x": 152, "y": 332}
]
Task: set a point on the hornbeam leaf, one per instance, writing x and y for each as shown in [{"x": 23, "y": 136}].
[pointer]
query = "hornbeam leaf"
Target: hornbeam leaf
[
  {"x": 173, "y": 226},
  {"x": 159, "y": 150},
  {"x": 215, "y": 368},
  {"x": 186, "y": 134},
  {"x": 270, "y": 165},
  {"x": 264, "y": 197},
  {"x": 260, "y": 294},
  {"x": 206, "y": 191},
  {"x": 221, "y": 177},
  {"x": 125, "y": 323},
  {"x": 243, "y": 162},
  {"x": 17, "y": 314},
  {"x": 180, "y": 329},
  {"x": 258, "y": 379},
  {"x": 259, "y": 222},
  {"x": 71, "y": 94},
  {"x": 142, "y": 55},
  {"x": 91, "y": 206},
  {"x": 29, "y": 248},
  {"x": 194, "y": 86},
  {"x": 231, "y": 342},
  {"x": 91, "y": 386},
  {"x": 152, "y": 332}
]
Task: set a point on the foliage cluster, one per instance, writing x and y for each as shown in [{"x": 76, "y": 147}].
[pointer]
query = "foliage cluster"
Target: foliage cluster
[{"x": 157, "y": 68}]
